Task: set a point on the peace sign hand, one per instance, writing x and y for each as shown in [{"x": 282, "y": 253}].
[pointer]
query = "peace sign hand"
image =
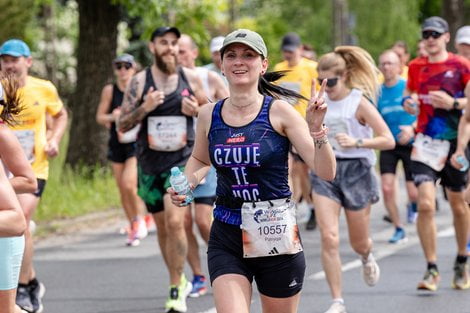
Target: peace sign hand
[{"x": 316, "y": 108}]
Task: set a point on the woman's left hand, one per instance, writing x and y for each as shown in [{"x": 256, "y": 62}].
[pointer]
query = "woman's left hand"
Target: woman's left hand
[{"x": 316, "y": 108}]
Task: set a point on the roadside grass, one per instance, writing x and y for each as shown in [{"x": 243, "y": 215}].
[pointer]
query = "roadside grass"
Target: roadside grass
[{"x": 70, "y": 193}]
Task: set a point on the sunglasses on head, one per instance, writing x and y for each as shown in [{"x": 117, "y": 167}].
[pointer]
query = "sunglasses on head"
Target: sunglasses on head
[
  {"x": 431, "y": 33},
  {"x": 330, "y": 82},
  {"x": 118, "y": 66}
]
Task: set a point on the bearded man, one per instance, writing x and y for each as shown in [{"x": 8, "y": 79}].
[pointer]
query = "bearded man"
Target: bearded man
[{"x": 164, "y": 98}]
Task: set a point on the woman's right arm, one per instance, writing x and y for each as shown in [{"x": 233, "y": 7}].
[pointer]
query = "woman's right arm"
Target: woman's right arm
[
  {"x": 102, "y": 116},
  {"x": 12, "y": 220},
  {"x": 13, "y": 157}
]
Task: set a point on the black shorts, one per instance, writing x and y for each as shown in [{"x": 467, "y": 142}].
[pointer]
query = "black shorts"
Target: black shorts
[
  {"x": 389, "y": 161},
  {"x": 205, "y": 200},
  {"x": 280, "y": 276},
  {"x": 450, "y": 177},
  {"x": 119, "y": 153},
  {"x": 41, "y": 187}
]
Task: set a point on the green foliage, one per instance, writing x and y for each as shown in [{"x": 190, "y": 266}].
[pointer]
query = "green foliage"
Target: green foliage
[
  {"x": 71, "y": 193},
  {"x": 378, "y": 29},
  {"x": 16, "y": 22}
]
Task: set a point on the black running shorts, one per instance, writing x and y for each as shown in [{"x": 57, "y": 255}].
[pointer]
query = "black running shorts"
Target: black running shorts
[{"x": 278, "y": 276}]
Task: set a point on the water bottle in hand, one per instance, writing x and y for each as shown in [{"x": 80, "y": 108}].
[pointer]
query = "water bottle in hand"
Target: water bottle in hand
[
  {"x": 464, "y": 162},
  {"x": 181, "y": 185}
]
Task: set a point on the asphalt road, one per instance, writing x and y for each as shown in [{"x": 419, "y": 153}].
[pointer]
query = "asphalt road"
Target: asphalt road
[{"x": 92, "y": 271}]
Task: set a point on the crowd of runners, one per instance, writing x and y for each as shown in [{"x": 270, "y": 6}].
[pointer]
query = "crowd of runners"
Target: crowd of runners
[{"x": 256, "y": 146}]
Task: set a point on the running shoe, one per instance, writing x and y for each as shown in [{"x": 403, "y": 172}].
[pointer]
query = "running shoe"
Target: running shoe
[
  {"x": 199, "y": 286},
  {"x": 312, "y": 221},
  {"x": 398, "y": 237},
  {"x": 37, "y": 291},
  {"x": 336, "y": 307},
  {"x": 430, "y": 280},
  {"x": 461, "y": 276},
  {"x": 411, "y": 215},
  {"x": 176, "y": 302},
  {"x": 370, "y": 271},
  {"x": 132, "y": 235},
  {"x": 150, "y": 223},
  {"x": 141, "y": 229},
  {"x": 23, "y": 298}
]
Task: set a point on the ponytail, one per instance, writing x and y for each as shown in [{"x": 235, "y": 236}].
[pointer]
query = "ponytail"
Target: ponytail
[
  {"x": 9, "y": 99},
  {"x": 266, "y": 87}
]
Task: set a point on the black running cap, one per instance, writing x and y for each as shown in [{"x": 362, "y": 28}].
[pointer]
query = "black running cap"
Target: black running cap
[
  {"x": 290, "y": 42},
  {"x": 160, "y": 31}
]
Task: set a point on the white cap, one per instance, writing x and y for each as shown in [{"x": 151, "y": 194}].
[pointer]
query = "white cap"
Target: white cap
[
  {"x": 463, "y": 35},
  {"x": 216, "y": 43}
]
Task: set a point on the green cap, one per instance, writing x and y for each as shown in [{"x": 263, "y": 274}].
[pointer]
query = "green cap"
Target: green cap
[{"x": 246, "y": 37}]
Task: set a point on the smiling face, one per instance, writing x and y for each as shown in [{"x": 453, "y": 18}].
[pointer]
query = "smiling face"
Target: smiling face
[
  {"x": 165, "y": 50},
  {"x": 433, "y": 45},
  {"x": 16, "y": 66},
  {"x": 242, "y": 65}
]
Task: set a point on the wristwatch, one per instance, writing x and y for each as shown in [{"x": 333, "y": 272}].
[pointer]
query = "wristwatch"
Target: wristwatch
[
  {"x": 359, "y": 143},
  {"x": 455, "y": 104}
]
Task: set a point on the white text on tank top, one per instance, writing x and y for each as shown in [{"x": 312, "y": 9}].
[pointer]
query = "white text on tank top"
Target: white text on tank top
[{"x": 341, "y": 118}]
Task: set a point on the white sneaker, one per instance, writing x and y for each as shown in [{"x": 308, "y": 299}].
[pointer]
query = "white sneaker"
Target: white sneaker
[
  {"x": 142, "y": 229},
  {"x": 370, "y": 271},
  {"x": 336, "y": 307}
]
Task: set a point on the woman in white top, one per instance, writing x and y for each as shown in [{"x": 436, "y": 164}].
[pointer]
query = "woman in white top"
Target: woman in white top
[{"x": 355, "y": 128}]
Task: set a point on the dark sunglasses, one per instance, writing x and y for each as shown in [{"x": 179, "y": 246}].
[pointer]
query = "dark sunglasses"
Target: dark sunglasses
[
  {"x": 118, "y": 66},
  {"x": 431, "y": 33},
  {"x": 330, "y": 82}
]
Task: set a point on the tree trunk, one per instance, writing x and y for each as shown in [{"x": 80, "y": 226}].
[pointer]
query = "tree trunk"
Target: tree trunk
[
  {"x": 97, "y": 41},
  {"x": 454, "y": 13}
]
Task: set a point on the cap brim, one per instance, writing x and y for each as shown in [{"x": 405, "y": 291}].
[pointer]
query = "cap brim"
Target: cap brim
[
  {"x": 289, "y": 48},
  {"x": 436, "y": 29},
  {"x": 465, "y": 41},
  {"x": 243, "y": 43},
  {"x": 12, "y": 53}
]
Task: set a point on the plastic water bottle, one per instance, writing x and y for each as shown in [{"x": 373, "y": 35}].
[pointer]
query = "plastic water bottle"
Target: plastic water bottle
[
  {"x": 181, "y": 185},
  {"x": 464, "y": 162}
]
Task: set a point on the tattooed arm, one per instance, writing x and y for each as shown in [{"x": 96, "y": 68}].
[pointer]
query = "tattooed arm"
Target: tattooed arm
[{"x": 131, "y": 112}]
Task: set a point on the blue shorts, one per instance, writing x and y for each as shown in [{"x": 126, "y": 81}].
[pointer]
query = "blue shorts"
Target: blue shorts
[
  {"x": 11, "y": 256},
  {"x": 208, "y": 186}
]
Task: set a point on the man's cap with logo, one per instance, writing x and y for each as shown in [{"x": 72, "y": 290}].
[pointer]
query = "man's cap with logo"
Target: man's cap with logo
[
  {"x": 435, "y": 23},
  {"x": 216, "y": 43},
  {"x": 246, "y": 37},
  {"x": 290, "y": 42},
  {"x": 16, "y": 48},
  {"x": 463, "y": 35},
  {"x": 124, "y": 58},
  {"x": 160, "y": 31}
]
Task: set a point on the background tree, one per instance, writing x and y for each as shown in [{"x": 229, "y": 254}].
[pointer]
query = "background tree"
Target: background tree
[{"x": 96, "y": 49}]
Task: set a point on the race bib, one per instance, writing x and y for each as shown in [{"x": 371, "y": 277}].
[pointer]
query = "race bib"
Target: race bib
[
  {"x": 334, "y": 128},
  {"x": 27, "y": 141},
  {"x": 269, "y": 228},
  {"x": 167, "y": 133},
  {"x": 129, "y": 136},
  {"x": 432, "y": 152}
]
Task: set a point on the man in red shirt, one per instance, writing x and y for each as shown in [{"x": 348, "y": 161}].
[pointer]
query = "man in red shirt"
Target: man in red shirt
[{"x": 435, "y": 91}]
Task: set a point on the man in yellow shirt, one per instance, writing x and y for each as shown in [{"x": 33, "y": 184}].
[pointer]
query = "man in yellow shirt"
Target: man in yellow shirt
[
  {"x": 39, "y": 97},
  {"x": 300, "y": 75}
]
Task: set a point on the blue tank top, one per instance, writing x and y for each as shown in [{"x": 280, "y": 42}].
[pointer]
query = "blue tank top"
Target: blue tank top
[
  {"x": 390, "y": 107},
  {"x": 251, "y": 162}
]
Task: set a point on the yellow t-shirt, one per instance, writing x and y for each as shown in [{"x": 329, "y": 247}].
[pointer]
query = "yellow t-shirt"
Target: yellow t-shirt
[
  {"x": 37, "y": 97},
  {"x": 299, "y": 79}
]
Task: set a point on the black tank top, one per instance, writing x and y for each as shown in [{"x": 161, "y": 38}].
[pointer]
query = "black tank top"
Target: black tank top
[
  {"x": 152, "y": 161},
  {"x": 116, "y": 102}
]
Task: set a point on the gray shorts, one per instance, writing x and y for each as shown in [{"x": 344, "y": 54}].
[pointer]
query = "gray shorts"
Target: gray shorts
[{"x": 354, "y": 187}]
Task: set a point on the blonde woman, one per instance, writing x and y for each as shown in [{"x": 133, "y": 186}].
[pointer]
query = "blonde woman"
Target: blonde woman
[{"x": 355, "y": 130}]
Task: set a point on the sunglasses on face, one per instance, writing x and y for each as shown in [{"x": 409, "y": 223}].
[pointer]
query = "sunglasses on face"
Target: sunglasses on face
[
  {"x": 330, "y": 82},
  {"x": 431, "y": 33},
  {"x": 118, "y": 66}
]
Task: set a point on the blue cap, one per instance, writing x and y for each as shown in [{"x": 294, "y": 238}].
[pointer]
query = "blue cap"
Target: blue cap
[{"x": 16, "y": 48}]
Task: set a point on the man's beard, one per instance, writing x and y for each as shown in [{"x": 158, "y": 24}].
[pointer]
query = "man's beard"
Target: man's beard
[{"x": 165, "y": 67}]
